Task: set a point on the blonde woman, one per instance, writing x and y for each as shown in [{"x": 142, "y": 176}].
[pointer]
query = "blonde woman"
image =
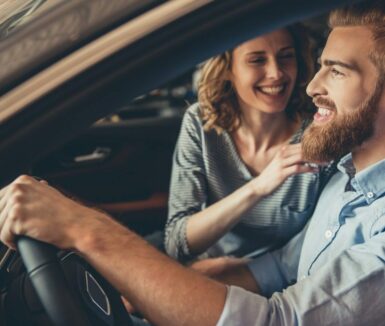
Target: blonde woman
[{"x": 239, "y": 184}]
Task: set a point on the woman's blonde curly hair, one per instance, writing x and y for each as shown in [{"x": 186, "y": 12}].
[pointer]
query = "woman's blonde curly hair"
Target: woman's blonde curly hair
[{"x": 217, "y": 99}]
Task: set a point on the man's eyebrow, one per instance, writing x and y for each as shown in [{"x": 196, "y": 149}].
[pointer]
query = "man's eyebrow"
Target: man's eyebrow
[{"x": 328, "y": 63}]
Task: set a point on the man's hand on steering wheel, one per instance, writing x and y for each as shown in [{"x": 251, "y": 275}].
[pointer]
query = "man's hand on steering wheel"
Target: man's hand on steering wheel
[{"x": 31, "y": 207}]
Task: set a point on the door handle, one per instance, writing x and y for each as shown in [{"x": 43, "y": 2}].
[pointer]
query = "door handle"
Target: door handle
[{"x": 99, "y": 154}]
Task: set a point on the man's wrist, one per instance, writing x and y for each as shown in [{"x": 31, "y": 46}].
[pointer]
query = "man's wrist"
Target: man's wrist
[
  {"x": 84, "y": 235},
  {"x": 100, "y": 234}
]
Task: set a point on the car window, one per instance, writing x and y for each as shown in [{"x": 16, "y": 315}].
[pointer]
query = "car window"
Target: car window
[
  {"x": 168, "y": 100},
  {"x": 174, "y": 97}
]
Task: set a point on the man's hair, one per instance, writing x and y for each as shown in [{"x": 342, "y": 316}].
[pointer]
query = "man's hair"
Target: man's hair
[
  {"x": 219, "y": 106},
  {"x": 369, "y": 13}
]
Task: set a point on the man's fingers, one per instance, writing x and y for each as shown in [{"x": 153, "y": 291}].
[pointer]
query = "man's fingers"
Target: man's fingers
[
  {"x": 3, "y": 202},
  {"x": 3, "y": 191},
  {"x": 12, "y": 196},
  {"x": 6, "y": 236},
  {"x": 40, "y": 180}
]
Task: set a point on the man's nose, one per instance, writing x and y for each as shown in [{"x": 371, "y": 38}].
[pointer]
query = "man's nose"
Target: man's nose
[
  {"x": 315, "y": 87},
  {"x": 273, "y": 70}
]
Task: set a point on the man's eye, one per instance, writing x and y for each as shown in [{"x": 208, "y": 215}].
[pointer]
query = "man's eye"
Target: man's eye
[{"x": 336, "y": 73}]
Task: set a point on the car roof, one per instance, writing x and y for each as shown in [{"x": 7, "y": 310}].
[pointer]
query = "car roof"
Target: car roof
[{"x": 53, "y": 106}]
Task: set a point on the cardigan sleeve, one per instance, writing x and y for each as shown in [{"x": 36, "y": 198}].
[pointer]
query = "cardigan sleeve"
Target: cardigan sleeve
[{"x": 188, "y": 186}]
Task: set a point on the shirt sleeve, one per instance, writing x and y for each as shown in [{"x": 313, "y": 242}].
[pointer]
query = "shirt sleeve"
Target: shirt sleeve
[
  {"x": 187, "y": 187},
  {"x": 278, "y": 269},
  {"x": 348, "y": 290}
]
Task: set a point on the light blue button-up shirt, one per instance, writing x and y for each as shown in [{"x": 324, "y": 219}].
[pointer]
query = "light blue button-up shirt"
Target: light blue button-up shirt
[{"x": 333, "y": 272}]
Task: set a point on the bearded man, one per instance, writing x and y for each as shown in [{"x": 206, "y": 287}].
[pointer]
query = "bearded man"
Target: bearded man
[{"x": 332, "y": 273}]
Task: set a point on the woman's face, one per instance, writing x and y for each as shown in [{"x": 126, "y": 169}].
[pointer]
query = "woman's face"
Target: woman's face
[{"x": 264, "y": 71}]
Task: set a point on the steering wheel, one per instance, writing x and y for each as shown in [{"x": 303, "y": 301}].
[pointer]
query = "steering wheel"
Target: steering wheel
[{"x": 57, "y": 288}]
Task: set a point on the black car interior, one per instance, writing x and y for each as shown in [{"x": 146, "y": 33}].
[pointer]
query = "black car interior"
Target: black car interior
[{"x": 114, "y": 153}]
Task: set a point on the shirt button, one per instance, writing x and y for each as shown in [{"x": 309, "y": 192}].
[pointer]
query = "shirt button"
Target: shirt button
[
  {"x": 328, "y": 234},
  {"x": 303, "y": 277},
  {"x": 370, "y": 194}
]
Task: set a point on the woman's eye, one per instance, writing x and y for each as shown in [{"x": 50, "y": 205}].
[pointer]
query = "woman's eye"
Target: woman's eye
[
  {"x": 287, "y": 56},
  {"x": 258, "y": 60}
]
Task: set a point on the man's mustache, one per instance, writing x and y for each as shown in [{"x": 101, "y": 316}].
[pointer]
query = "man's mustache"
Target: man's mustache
[{"x": 324, "y": 103}]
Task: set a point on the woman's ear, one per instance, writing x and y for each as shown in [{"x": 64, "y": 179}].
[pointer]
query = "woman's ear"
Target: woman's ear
[{"x": 228, "y": 76}]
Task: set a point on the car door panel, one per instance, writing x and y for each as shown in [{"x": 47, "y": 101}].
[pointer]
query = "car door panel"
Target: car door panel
[{"x": 120, "y": 167}]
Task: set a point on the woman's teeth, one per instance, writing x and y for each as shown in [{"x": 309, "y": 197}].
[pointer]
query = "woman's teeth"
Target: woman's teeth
[{"x": 272, "y": 90}]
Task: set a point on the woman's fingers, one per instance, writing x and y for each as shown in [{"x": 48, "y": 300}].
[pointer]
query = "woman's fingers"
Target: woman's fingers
[
  {"x": 298, "y": 169},
  {"x": 296, "y": 158},
  {"x": 288, "y": 161},
  {"x": 292, "y": 156},
  {"x": 295, "y": 164},
  {"x": 289, "y": 150}
]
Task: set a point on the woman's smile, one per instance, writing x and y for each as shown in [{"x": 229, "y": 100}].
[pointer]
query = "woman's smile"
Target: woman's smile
[{"x": 273, "y": 90}]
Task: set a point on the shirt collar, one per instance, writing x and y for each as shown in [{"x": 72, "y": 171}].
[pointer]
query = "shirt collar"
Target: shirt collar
[{"x": 370, "y": 182}]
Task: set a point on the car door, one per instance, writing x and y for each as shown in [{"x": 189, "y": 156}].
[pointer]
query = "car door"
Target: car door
[{"x": 122, "y": 163}]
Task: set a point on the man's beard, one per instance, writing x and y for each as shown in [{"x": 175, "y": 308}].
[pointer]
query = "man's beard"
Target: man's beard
[{"x": 341, "y": 135}]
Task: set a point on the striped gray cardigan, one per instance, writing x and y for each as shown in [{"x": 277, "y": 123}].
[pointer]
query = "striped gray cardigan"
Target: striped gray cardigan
[{"x": 206, "y": 168}]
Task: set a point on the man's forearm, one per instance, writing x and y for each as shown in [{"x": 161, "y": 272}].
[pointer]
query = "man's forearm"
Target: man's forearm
[
  {"x": 239, "y": 276},
  {"x": 228, "y": 270},
  {"x": 165, "y": 292}
]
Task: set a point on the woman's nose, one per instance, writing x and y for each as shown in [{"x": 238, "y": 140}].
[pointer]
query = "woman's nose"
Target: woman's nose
[{"x": 273, "y": 70}]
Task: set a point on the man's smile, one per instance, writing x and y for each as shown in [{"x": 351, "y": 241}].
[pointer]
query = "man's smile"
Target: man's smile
[{"x": 324, "y": 115}]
